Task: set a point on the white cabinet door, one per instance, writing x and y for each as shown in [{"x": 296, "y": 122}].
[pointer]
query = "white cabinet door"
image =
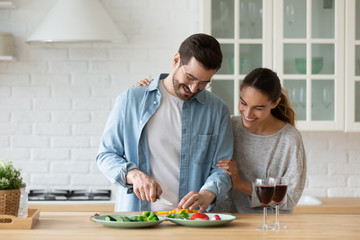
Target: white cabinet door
[
  {"x": 309, "y": 53},
  {"x": 302, "y": 40},
  {"x": 244, "y": 30},
  {"x": 352, "y": 93}
]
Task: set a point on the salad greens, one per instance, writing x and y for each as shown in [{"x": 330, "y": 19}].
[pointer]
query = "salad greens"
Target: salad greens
[
  {"x": 182, "y": 215},
  {"x": 146, "y": 216}
]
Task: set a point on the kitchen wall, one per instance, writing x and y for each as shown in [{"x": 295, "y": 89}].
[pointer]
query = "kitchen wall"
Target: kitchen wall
[{"x": 55, "y": 98}]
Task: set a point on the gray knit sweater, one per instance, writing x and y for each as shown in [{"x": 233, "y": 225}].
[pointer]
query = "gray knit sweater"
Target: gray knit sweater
[{"x": 259, "y": 156}]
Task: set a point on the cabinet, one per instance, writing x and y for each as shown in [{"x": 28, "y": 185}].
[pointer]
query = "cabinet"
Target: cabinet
[
  {"x": 7, "y": 5},
  {"x": 304, "y": 41},
  {"x": 352, "y": 69},
  {"x": 310, "y": 60},
  {"x": 5, "y": 48},
  {"x": 246, "y": 41}
]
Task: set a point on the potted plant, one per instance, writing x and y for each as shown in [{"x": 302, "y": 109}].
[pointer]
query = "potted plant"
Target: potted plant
[{"x": 10, "y": 184}]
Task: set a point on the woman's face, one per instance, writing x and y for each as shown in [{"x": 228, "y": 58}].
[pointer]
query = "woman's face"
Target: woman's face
[{"x": 255, "y": 107}]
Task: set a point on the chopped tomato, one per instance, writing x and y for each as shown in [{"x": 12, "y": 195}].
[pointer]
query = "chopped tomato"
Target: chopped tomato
[
  {"x": 201, "y": 216},
  {"x": 216, "y": 217}
]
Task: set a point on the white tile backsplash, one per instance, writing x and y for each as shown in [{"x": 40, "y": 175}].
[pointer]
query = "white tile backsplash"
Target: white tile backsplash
[{"x": 55, "y": 98}]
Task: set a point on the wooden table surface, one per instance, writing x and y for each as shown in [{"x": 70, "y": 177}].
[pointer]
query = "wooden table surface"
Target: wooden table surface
[
  {"x": 332, "y": 205},
  {"x": 329, "y": 205},
  {"x": 77, "y": 225}
]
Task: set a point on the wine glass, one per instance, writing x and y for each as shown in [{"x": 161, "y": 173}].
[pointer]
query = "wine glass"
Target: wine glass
[
  {"x": 293, "y": 96},
  {"x": 326, "y": 98},
  {"x": 290, "y": 13},
  {"x": 280, "y": 192},
  {"x": 253, "y": 16},
  {"x": 302, "y": 97},
  {"x": 265, "y": 189}
]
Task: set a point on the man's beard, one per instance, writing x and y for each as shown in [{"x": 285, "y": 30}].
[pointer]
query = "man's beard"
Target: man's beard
[{"x": 178, "y": 86}]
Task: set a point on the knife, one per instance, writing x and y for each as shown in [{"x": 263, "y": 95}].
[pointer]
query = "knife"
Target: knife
[{"x": 164, "y": 201}]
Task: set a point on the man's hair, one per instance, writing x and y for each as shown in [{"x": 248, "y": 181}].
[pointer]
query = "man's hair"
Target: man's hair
[{"x": 205, "y": 48}]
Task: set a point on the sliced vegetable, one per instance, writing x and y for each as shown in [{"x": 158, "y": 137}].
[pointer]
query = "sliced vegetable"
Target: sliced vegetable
[
  {"x": 123, "y": 219},
  {"x": 216, "y": 217},
  {"x": 145, "y": 214},
  {"x": 177, "y": 211},
  {"x": 140, "y": 219},
  {"x": 144, "y": 217},
  {"x": 201, "y": 216},
  {"x": 152, "y": 217},
  {"x": 182, "y": 215},
  {"x": 162, "y": 212},
  {"x": 109, "y": 218},
  {"x": 134, "y": 218}
]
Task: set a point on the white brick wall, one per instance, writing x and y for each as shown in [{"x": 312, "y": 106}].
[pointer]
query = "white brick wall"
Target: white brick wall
[
  {"x": 55, "y": 99},
  {"x": 333, "y": 164}
]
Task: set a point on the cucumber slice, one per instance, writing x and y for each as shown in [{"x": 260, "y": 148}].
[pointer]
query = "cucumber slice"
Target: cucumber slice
[{"x": 109, "y": 218}]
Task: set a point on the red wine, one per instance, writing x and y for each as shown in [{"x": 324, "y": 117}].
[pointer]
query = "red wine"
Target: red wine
[
  {"x": 280, "y": 192},
  {"x": 265, "y": 193}
]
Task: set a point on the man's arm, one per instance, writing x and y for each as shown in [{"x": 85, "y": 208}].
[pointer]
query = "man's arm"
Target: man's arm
[
  {"x": 218, "y": 183},
  {"x": 111, "y": 158}
]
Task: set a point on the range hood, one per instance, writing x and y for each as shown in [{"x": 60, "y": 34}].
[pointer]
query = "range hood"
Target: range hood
[{"x": 76, "y": 21}]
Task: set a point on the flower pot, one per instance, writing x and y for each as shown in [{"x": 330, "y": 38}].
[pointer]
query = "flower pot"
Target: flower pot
[{"x": 9, "y": 202}]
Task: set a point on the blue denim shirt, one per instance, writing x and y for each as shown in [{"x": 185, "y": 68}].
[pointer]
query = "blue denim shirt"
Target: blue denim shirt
[{"x": 206, "y": 138}]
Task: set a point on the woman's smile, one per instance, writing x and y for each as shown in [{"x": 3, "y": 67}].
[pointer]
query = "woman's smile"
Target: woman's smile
[{"x": 249, "y": 119}]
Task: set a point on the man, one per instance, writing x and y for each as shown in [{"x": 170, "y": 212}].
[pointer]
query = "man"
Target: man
[{"x": 166, "y": 139}]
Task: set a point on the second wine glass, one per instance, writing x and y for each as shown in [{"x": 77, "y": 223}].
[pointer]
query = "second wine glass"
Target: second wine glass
[{"x": 280, "y": 192}]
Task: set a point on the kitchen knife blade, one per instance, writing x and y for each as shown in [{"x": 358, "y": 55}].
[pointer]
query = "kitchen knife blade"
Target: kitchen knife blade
[{"x": 164, "y": 201}]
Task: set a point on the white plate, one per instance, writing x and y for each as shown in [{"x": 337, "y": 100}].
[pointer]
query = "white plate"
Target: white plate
[
  {"x": 225, "y": 219},
  {"x": 114, "y": 224}
]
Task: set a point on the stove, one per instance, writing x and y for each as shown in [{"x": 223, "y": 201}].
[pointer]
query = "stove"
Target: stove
[{"x": 69, "y": 195}]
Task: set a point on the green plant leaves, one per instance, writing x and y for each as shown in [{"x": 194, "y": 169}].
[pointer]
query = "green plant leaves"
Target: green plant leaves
[{"x": 10, "y": 177}]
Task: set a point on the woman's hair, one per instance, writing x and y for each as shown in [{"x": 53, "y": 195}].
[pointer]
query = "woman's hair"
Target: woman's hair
[
  {"x": 267, "y": 82},
  {"x": 205, "y": 48}
]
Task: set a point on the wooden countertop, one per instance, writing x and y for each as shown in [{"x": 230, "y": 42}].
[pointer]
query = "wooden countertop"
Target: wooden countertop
[
  {"x": 77, "y": 225},
  {"x": 330, "y": 205},
  {"x": 73, "y": 207}
]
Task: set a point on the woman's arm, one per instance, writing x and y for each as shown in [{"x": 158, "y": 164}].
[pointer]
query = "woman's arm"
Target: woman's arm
[{"x": 230, "y": 167}]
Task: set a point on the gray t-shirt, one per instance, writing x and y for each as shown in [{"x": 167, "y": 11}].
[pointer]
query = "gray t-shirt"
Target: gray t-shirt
[{"x": 259, "y": 156}]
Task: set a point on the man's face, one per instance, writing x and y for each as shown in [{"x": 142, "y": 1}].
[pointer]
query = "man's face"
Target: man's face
[{"x": 190, "y": 79}]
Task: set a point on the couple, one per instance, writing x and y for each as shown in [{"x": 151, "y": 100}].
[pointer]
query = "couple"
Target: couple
[{"x": 167, "y": 139}]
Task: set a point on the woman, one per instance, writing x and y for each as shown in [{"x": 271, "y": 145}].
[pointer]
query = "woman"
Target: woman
[{"x": 266, "y": 144}]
